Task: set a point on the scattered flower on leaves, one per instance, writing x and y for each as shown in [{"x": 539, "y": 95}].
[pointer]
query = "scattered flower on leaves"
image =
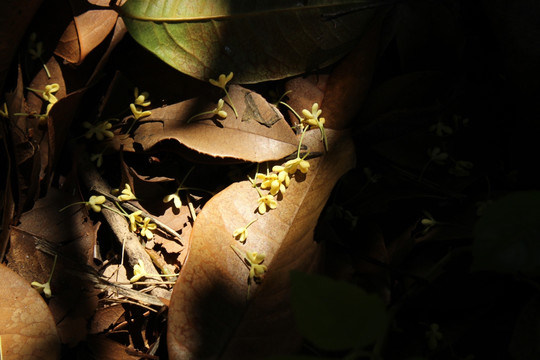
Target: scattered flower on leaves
[
  {"x": 142, "y": 98},
  {"x": 312, "y": 120},
  {"x": 218, "y": 111},
  {"x": 175, "y": 198},
  {"x": 257, "y": 270},
  {"x": 138, "y": 272},
  {"x": 147, "y": 227},
  {"x": 441, "y": 129},
  {"x": 127, "y": 194},
  {"x": 94, "y": 202},
  {"x": 461, "y": 168},
  {"x": 436, "y": 155},
  {"x": 100, "y": 130},
  {"x": 48, "y": 95},
  {"x": 265, "y": 203},
  {"x": 98, "y": 158},
  {"x": 4, "y": 113},
  {"x": 253, "y": 261},
  {"x": 221, "y": 83},
  {"x": 135, "y": 218},
  {"x": 45, "y": 288},
  {"x": 241, "y": 234},
  {"x": 141, "y": 101},
  {"x": 137, "y": 113},
  {"x": 272, "y": 181},
  {"x": 293, "y": 165}
]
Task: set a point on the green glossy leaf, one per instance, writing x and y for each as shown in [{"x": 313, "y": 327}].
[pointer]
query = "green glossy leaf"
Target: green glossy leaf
[
  {"x": 257, "y": 40},
  {"x": 507, "y": 236},
  {"x": 335, "y": 315}
]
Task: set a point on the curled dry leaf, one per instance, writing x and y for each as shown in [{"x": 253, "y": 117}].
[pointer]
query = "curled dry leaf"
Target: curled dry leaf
[
  {"x": 27, "y": 327},
  {"x": 209, "y": 315},
  {"x": 260, "y": 133},
  {"x": 86, "y": 31}
]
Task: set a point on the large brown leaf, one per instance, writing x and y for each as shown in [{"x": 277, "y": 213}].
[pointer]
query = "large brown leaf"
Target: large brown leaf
[
  {"x": 210, "y": 316},
  {"x": 27, "y": 328},
  {"x": 86, "y": 31},
  {"x": 260, "y": 133}
]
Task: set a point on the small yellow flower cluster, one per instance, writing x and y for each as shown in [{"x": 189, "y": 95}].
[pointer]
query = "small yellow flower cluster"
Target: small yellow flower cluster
[
  {"x": 100, "y": 130},
  {"x": 139, "y": 104},
  {"x": 254, "y": 262},
  {"x": 137, "y": 222},
  {"x": 218, "y": 111},
  {"x": 221, "y": 83},
  {"x": 278, "y": 181},
  {"x": 312, "y": 120},
  {"x": 4, "y": 113},
  {"x": 127, "y": 194},
  {"x": 48, "y": 95},
  {"x": 45, "y": 288}
]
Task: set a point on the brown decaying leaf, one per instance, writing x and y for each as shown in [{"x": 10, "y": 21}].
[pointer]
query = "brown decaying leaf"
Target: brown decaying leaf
[
  {"x": 260, "y": 133},
  {"x": 27, "y": 328},
  {"x": 105, "y": 349},
  {"x": 86, "y": 31},
  {"x": 74, "y": 301},
  {"x": 349, "y": 82},
  {"x": 14, "y": 19},
  {"x": 209, "y": 315}
]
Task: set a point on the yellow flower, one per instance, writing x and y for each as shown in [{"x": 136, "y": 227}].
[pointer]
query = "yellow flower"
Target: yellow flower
[
  {"x": 266, "y": 202},
  {"x": 127, "y": 194},
  {"x": 98, "y": 158},
  {"x": 222, "y": 80},
  {"x": 175, "y": 198},
  {"x": 257, "y": 270},
  {"x": 48, "y": 93},
  {"x": 296, "y": 164},
  {"x": 271, "y": 181},
  {"x": 221, "y": 83},
  {"x": 147, "y": 227},
  {"x": 139, "y": 114},
  {"x": 141, "y": 99},
  {"x": 283, "y": 175},
  {"x": 218, "y": 110},
  {"x": 45, "y": 288},
  {"x": 42, "y": 288},
  {"x": 313, "y": 120},
  {"x": 4, "y": 113},
  {"x": 138, "y": 272},
  {"x": 134, "y": 219},
  {"x": 94, "y": 202},
  {"x": 241, "y": 234},
  {"x": 100, "y": 130}
]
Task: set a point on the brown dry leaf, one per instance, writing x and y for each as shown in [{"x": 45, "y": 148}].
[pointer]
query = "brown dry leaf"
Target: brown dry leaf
[
  {"x": 260, "y": 133},
  {"x": 89, "y": 27},
  {"x": 73, "y": 301},
  {"x": 105, "y": 349},
  {"x": 14, "y": 19},
  {"x": 350, "y": 81},
  {"x": 27, "y": 328},
  {"x": 209, "y": 315}
]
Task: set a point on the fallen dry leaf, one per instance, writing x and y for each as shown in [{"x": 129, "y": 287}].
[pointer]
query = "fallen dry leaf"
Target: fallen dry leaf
[
  {"x": 73, "y": 301},
  {"x": 350, "y": 81},
  {"x": 27, "y": 328},
  {"x": 209, "y": 316},
  {"x": 86, "y": 31},
  {"x": 260, "y": 133}
]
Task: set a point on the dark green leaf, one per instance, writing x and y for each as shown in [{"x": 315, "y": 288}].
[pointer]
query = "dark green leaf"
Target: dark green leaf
[
  {"x": 257, "y": 40},
  {"x": 335, "y": 315},
  {"x": 507, "y": 236}
]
